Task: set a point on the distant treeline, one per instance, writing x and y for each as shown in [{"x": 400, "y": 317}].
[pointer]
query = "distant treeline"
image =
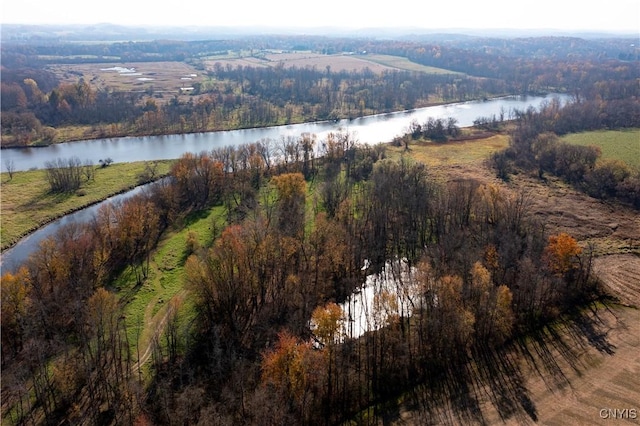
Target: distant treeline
[
  {"x": 34, "y": 103},
  {"x": 584, "y": 77},
  {"x": 37, "y": 51}
]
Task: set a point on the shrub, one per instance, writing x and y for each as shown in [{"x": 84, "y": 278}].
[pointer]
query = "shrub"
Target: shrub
[
  {"x": 604, "y": 179},
  {"x": 192, "y": 244},
  {"x": 64, "y": 175}
]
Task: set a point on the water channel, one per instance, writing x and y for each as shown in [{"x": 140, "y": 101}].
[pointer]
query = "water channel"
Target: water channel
[
  {"x": 370, "y": 129},
  {"x": 12, "y": 258}
]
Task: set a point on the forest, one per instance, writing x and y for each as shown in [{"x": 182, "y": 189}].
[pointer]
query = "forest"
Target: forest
[
  {"x": 261, "y": 331},
  {"x": 284, "y": 261}
]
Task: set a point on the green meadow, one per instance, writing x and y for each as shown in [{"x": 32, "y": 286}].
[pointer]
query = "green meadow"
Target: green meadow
[{"x": 621, "y": 145}]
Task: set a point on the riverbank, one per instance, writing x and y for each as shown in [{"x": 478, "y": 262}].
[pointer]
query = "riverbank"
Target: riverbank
[
  {"x": 27, "y": 204},
  {"x": 368, "y": 130},
  {"x": 92, "y": 132}
]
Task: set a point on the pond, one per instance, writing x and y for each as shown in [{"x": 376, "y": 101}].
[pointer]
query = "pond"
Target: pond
[{"x": 389, "y": 294}]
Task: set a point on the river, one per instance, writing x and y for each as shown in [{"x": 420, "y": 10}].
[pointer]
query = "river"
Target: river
[{"x": 371, "y": 129}]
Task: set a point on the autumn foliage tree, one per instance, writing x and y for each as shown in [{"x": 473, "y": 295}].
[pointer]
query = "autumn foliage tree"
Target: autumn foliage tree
[
  {"x": 14, "y": 300},
  {"x": 294, "y": 371},
  {"x": 472, "y": 282},
  {"x": 291, "y": 192},
  {"x": 199, "y": 179},
  {"x": 562, "y": 253}
]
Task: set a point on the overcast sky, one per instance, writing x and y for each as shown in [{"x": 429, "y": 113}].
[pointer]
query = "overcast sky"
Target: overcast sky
[{"x": 610, "y": 15}]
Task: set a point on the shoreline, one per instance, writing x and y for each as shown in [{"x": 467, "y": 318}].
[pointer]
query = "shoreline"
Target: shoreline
[
  {"x": 143, "y": 134},
  {"x": 46, "y": 222}
]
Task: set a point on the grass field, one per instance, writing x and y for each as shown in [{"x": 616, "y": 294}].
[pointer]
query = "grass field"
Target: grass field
[
  {"x": 621, "y": 145},
  {"x": 442, "y": 154},
  {"x": 405, "y": 64},
  {"x": 27, "y": 204},
  {"x": 337, "y": 62}
]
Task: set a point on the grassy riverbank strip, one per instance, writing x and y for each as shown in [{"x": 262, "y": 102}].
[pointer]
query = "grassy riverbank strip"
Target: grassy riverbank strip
[{"x": 26, "y": 202}]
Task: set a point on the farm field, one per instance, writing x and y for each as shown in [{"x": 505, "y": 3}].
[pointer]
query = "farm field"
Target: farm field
[
  {"x": 560, "y": 376},
  {"x": 621, "y": 145},
  {"x": 405, "y": 64},
  {"x": 164, "y": 79},
  {"x": 337, "y": 62}
]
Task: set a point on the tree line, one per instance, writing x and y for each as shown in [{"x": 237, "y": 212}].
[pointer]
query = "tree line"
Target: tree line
[
  {"x": 585, "y": 76},
  {"x": 484, "y": 272},
  {"x": 233, "y": 98},
  {"x": 534, "y": 145},
  {"x": 34, "y": 103}
]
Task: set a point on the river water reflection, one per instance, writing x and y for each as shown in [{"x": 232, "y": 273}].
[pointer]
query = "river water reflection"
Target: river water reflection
[
  {"x": 385, "y": 296},
  {"x": 371, "y": 129}
]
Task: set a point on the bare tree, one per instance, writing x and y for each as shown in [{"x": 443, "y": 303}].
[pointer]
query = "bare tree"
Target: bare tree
[
  {"x": 89, "y": 170},
  {"x": 10, "y": 165}
]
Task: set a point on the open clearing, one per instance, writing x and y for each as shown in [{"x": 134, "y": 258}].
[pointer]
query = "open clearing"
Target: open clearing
[
  {"x": 164, "y": 79},
  {"x": 602, "y": 226},
  {"x": 405, "y": 64},
  {"x": 337, "y": 62},
  {"x": 451, "y": 153},
  {"x": 573, "y": 374}
]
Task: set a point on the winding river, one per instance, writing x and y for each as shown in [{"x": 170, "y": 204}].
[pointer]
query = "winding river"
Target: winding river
[{"x": 370, "y": 129}]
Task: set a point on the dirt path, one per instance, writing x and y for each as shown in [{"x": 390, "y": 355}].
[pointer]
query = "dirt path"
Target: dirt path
[{"x": 153, "y": 326}]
